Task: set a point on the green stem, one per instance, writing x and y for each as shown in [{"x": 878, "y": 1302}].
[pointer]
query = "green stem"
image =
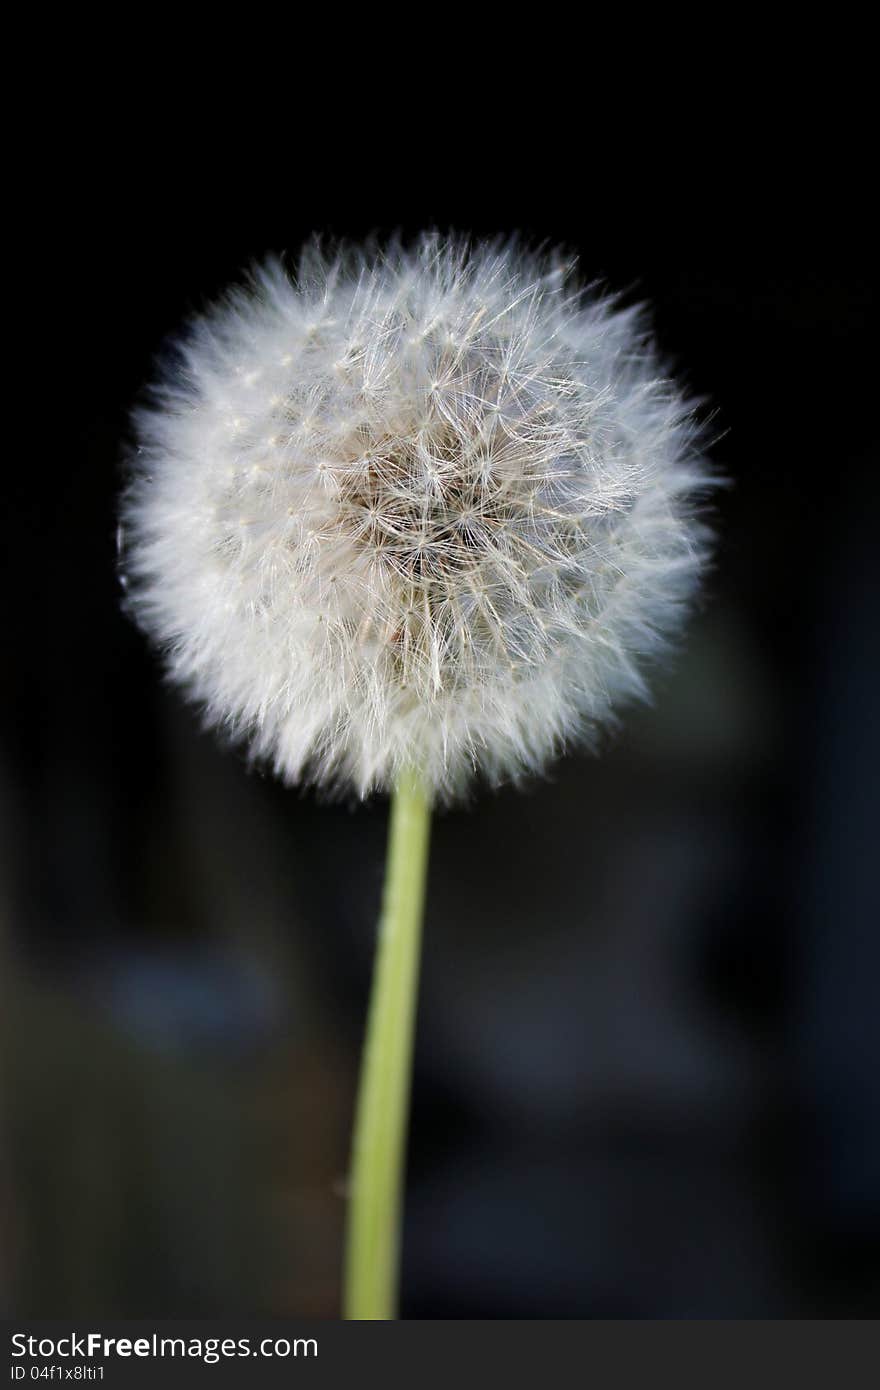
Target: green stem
[{"x": 376, "y": 1185}]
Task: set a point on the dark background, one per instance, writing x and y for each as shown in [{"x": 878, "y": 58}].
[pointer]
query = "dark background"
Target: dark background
[{"x": 649, "y": 1036}]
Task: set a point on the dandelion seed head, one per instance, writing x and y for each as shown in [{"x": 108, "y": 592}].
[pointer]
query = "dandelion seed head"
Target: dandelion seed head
[{"x": 427, "y": 507}]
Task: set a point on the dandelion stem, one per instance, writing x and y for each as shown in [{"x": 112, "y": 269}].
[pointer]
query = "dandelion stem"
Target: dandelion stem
[{"x": 374, "y": 1218}]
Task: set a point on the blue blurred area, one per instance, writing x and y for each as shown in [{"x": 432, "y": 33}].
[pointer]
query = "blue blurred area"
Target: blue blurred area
[{"x": 180, "y": 998}]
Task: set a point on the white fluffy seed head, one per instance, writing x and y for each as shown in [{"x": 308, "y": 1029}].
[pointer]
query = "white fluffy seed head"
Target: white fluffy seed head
[{"x": 423, "y": 507}]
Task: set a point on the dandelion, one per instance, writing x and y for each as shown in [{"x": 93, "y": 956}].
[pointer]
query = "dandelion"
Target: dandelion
[{"x": 410, "y": 518}]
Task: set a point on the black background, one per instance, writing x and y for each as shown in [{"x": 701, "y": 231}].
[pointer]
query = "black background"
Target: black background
[{"x": 649, "y": 1035}]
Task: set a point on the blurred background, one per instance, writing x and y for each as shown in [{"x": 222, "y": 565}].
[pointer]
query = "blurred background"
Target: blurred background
[{"x": 649, "y": 1036}]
